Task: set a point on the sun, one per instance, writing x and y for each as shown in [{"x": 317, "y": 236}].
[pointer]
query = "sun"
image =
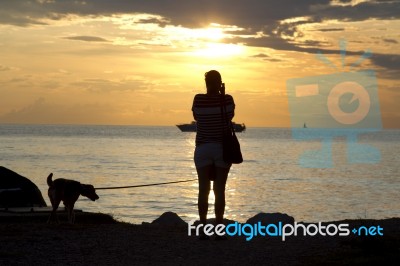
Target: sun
[
  {"x": 210, "y": 33},
  {"x": 208, "y": 42},
  {"x": 210, "y": 45}
]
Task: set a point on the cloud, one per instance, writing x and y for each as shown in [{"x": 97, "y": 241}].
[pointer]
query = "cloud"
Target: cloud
[
  {"x": 390, "y": 63},
  {"x": 18, "y": 19},
  {"x": 43, "y": 111},
  {"x": 193, "y": 13},
  {"x": 162, "y": 22},
  {"x": 4, "y": 68},
  {"x": 390, "y": 41},
  {"x": 7, "y": 68},
  {"x": 266, "y": 58},
  {"x": 264, "y": 23},
  {"x": 253, "y": 16},
  {"x": 86, "y": 38},
  {"x": 107, "y": 85},
  {"x": 331, "y": 29},
  {"x": 360, "y": 12}
]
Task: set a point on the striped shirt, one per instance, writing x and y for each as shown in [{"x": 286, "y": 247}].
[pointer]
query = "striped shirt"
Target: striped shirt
[{"x": 207, "y": 113}]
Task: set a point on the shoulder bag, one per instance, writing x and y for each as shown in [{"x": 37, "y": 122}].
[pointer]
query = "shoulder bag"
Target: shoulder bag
[{"x": 230, "y": 143}]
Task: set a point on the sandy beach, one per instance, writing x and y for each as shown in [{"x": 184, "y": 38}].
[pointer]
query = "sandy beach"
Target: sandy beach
[{"x": 97, "y": 239}]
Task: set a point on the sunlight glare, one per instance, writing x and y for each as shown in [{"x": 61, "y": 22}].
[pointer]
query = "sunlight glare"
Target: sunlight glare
[
  {"x": 210, "y": 33},
  {"x": 214, "y": 34}
]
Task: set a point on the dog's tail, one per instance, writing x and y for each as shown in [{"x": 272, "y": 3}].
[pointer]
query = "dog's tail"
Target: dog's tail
[{"x": 49, "y": 180}]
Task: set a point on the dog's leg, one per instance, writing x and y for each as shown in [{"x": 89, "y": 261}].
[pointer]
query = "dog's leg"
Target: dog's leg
[
  {"x": 71, "y": 213},
  {"x": 53, "y": 214},
  {"x": 73, "y": 216}
]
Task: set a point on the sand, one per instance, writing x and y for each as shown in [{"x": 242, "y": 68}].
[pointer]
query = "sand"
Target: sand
[{"x": 97, "y": 239}]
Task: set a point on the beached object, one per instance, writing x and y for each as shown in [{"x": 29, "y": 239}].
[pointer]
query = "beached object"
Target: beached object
[
  {"x": 18, "y": 191},
  {"x": 169, "y": 219},
  {"x": 271, "y": 218}
]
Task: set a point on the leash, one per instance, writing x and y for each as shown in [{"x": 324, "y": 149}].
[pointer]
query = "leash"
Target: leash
[{"x": 146, "y": 185}]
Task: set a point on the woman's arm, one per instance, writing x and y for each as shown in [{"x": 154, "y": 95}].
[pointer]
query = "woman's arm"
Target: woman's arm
[
  {"x": 230, "y": 98},
  {"x": 194, "y": 102}
]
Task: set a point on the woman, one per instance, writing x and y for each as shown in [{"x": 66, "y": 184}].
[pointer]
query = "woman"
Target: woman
[{"x": 208, "y": 155}]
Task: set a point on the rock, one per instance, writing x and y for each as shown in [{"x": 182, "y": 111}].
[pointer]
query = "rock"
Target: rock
[
  {"x": 18, "y": 191},
  {"x": 271, "y": 218},
  {"x": 169, "y": 219}
]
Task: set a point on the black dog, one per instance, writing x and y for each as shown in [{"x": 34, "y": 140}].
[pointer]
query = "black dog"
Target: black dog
[{"x": 67, "y": 191}]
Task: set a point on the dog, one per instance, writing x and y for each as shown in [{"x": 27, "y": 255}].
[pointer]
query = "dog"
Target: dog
[{"x": 67, "y": 191}]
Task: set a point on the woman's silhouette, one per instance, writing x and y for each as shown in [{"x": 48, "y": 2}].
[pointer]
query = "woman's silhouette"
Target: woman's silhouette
[{"x": 208, "y": 155}]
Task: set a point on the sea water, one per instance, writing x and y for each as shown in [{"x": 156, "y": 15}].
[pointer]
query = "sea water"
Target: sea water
[{"x": 269, "y": 180}]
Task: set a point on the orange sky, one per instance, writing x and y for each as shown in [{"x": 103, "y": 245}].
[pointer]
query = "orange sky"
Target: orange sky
[{"x": 85, "y": 63}]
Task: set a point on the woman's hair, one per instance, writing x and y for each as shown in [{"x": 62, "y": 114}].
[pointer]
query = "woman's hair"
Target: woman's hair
[{"x": 213, "y": 79}]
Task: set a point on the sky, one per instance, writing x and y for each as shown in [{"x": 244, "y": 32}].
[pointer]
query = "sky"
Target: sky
[{"x": 141, "y": 62}]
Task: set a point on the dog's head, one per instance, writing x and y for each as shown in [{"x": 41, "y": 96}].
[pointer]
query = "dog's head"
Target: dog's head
[{"x": 89, "y": 192}]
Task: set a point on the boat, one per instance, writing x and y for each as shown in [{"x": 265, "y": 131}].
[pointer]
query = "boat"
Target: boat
[{"x": 193, "y": 128}]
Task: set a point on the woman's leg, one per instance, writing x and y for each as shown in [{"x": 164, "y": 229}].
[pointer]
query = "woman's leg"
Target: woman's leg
[
  {"x": 219, "y": 192},
  {"x": 204, "y": 190}
]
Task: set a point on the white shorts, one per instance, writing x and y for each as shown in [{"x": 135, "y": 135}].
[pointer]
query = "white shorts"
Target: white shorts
[{"x": 210, "y": 154}]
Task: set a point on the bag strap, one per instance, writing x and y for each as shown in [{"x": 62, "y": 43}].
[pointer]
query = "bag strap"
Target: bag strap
[{"x": 224, "y": 116}]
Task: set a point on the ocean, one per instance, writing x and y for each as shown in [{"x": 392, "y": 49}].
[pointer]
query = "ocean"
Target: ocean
[{"x": 270, "y": 179}]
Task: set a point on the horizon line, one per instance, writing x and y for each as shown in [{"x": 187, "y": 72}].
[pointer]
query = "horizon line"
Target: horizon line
[{"x": 163, "y": 125}]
